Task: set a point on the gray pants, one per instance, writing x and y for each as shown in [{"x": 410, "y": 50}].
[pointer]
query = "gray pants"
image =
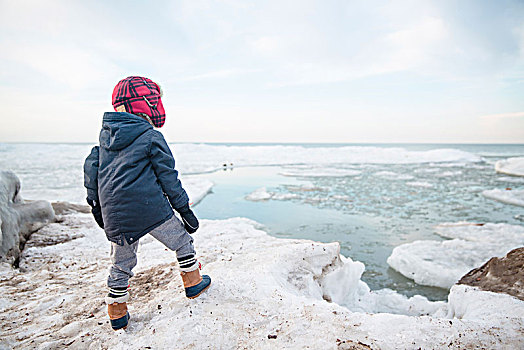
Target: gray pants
[{"x": 123, "y": 258}]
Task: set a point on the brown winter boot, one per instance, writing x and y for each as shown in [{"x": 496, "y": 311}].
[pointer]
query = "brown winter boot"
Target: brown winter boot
[
  {"x": 118, "y": 315},
  {"x": 195, "y": 284}
]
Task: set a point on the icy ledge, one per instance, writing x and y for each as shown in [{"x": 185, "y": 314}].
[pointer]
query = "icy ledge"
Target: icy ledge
[{"x": 267, "y": 293}]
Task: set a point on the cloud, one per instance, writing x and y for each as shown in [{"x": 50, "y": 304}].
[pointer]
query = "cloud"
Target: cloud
[{"x": 219, "y": 74}]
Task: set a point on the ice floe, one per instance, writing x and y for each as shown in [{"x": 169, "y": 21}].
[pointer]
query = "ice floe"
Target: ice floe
[
  {"x": 442, "y": 263},
  {"x": 511, "y": 166},
  {"x": 508, "y": 196}
]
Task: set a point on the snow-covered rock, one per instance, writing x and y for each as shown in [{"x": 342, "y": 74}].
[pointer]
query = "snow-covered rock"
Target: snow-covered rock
[
  {"x": 508, "y": 196},
  {"x": 501, "y": 275},
  {"x": 511, "y": 166},
  {"x": 442, "y": 263},
  {"x": 18, "y": 218}
]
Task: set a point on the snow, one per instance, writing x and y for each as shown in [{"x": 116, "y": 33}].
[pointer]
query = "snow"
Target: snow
[
  {"x": 511, "y": 166},
  {"x": 514, "y": 197},
  {"x": 261, "y": 285},
  {"x": 442, "y": 263}
]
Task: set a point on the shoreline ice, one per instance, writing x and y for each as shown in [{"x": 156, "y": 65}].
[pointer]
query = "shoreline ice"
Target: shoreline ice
[{"x": 262, "y": 286}]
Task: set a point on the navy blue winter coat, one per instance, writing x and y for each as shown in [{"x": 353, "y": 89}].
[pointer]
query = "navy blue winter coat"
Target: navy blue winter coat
[{"x": 132, "y": 175}]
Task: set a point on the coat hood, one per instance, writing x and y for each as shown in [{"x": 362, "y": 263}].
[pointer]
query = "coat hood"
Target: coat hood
[{"x": 120, "y": 129}]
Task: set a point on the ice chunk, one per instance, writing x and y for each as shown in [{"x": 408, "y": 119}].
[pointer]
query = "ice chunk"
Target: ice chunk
[
  {"x": 321, "y": 172},
  {"x": 389, "y": 175},
  {"x": 419, "y": 184},
  {"x": 442, "y": 263},
  {"x": 515, "y": 197},
  {"x": 260, "y": 194},
  {"x": 345, "y": 287},
  {"x": 511, "y": 166}
]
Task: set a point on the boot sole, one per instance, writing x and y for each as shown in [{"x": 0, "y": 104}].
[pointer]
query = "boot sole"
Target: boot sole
[{"x": 202, "y": 291}]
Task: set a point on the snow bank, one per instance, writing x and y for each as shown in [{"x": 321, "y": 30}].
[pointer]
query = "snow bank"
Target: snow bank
[
  {"x": 261, "y": 286},
  {"x": 511, "y": 166},
  {"x": 442, "y": 263},
  {"x": 515, "y": 197},
  {"x": 203, "y": 157}
]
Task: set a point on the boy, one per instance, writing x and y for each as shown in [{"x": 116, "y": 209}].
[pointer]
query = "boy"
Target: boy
[{"x": 133, "y": 187}]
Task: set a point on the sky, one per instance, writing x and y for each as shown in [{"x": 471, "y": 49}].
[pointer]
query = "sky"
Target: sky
[{"x": 269, "y": 71}]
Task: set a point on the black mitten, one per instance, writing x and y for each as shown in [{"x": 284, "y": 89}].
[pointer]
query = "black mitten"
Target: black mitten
[
  {"x": 97, "y": 212},
  {"x": 189, "y": 219}
]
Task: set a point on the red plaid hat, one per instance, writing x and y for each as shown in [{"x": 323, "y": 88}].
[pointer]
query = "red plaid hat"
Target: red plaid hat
[{"x": 139, "y": 95}]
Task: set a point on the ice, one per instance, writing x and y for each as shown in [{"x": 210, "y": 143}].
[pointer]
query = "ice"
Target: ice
[
  {"x": 442, "y": 263},
  {"x": 511, "y": 166},
  {"x": 419, "y": 184},
  {"x": 196, "y": 188},
  {"x": 18, "y": 218},
  {"x": 390, "y": 175},
  {"x": 514, "y": 197},
  {"x": 262, "y": 286},
  {"x": 512, "y": 179},
  {"x": 260, "y": 194},
  {"x": 321, "y": 172},
  {"x": 196, "y": 158},
  {"x": 345, "y": 287},
  {"x": 449, "y": 174}
]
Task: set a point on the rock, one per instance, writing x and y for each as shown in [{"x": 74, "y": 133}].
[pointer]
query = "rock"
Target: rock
[
  {"x": 18, "y": 218},
  {"x": 500, "y": 275}
]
